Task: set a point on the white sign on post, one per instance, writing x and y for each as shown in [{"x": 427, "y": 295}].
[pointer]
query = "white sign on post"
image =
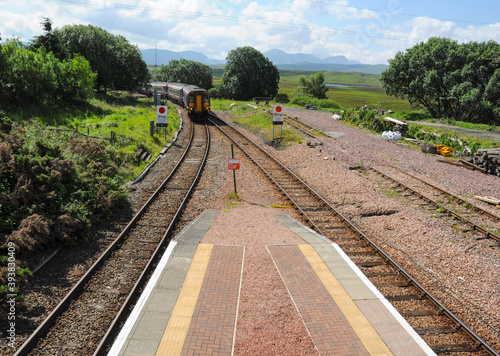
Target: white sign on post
[
  {"x": 278, "y": 115},
  {"x": 161, "y": 116}
]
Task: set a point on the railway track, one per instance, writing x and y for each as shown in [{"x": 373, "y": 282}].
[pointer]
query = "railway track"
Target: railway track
[
  {"x": 304, "y": 127},
  {"x": 461, "y": 214},
  {"x": 87, "y": 318},
  {"x": 444, "y": 332}
]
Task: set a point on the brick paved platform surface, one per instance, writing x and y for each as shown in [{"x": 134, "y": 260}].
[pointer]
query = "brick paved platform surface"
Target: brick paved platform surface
[
  {"x": 329, "y": 328},
  {"x": 193, "y": 307},
  {"x": 214, "y": 320}
]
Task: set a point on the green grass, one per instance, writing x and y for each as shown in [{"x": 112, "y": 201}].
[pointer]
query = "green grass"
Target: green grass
[
  {"x": 127, "y": 117},
  {"x": 373, "y": 97},
  {"x": 349, "y": 97},
  {"x": 346, "y": 78},
  {"x": 257, "y": 121}
]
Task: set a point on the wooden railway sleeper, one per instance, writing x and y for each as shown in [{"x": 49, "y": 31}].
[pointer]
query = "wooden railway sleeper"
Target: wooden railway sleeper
[{"x": 424, "y": 293}]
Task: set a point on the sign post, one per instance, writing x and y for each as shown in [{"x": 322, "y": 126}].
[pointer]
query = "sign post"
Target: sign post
[
  {"x": 278, "y": 115},
  {"x": 233, "y": 164},
  {"x": 162, "y": 117}
]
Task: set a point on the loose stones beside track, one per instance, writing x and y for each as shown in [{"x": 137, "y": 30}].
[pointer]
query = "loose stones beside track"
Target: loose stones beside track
[{"x": 92, "y": 305}]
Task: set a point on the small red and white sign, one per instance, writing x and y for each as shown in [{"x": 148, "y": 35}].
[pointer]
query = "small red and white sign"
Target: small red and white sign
[
  {"x": 161, "y": 115},
  {"x": 278, "y": 114},
  {"x": 233, "y": 163}
]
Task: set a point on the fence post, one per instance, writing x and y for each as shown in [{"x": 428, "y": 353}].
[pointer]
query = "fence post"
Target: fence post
[{"x": 152, "y": 128}]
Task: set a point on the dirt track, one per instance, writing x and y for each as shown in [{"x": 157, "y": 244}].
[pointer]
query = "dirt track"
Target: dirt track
[{"x": 490, "y": 135}]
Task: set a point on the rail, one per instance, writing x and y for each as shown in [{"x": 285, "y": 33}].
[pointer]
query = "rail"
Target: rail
[
  {"x": 79, "y": 286},
  {"x": 478, "y": 342}
]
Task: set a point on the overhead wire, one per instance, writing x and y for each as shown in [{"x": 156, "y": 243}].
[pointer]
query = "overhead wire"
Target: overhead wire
[
  {"x": 240, "y": 19},
  {"x": 395, "y": 12}
]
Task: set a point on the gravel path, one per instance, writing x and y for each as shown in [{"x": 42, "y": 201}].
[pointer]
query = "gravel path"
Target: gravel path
[
  {"x": 422, "y": 243},
  {"x": 451, "y": 263}
]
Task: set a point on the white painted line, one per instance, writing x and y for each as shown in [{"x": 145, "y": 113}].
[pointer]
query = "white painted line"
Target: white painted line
[
  {"x": 129, "y": 324},
  {"x": 386, "y": 303},
  {"x": 238, "y": 304}
]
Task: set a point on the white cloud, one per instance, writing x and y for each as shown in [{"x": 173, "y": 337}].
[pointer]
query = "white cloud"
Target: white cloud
[{"x": 322, "y": 28}]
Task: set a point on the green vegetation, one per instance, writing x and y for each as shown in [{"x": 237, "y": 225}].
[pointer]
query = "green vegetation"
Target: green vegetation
[
  {"x": 313, "y": 86},
  {"x": 369, "y": 120},
  {"x": 186, "y": 71},
  {"x": 39, "y": 78},
  {"x": 55, "y": 185},
  {"x": 118, "y": 64},
  {"x": 373, "y": 97},
  {"x": 247, "y": 74},
  {"x": 321, "y": 104},
  {"x": 450, "y": 80},
  {"x": 232, "y": 200},
  {"x": 257, "y": 121}
]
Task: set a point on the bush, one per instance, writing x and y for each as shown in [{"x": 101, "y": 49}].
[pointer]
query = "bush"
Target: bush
[
  {"x": 38, "y": 77},
  {"x": 414, "y": 116},
  {"x": 322, "y": 104},
  {"x": 282, "y": 98},
  {"x": 367, "y": 119},
  {"x": 215, "y": 92},
  {"x": 54, "y": 181}
]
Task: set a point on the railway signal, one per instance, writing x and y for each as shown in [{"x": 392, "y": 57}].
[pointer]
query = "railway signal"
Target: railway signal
[
  {"x": 233, "y": 164},
  {"x": 162, "y": 117},
  {"x": 278, "y": 115}
]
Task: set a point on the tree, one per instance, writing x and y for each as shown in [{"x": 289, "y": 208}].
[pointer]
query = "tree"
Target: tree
[
  {"x": 186, "y": 71},
  {"x": 47, "y": 40},
  {"x": 313, "y": 86},
  {"x": 451, "y": 80},
  {"x": 3, "y": 72},
  {"x": 38, "y": 77},
  {"x": 119, "y": 65},
  {"x": 249, "y": 74}
]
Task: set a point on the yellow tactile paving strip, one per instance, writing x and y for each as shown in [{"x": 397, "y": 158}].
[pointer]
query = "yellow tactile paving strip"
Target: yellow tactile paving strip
[
  {"x": 365, "y": 331},
  {"x": 174, "y": 336}
]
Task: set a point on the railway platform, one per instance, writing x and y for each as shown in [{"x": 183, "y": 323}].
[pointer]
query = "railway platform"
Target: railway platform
[{"x": 191, "y": 304}]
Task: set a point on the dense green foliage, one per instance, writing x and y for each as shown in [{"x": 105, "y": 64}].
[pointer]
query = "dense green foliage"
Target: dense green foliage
[
  {"x": 321, "y": 104},
  {"x": 366, "y": 119},
  {"x": 53, "y": 185},
  {"x": 119, "y": 65},
  {"x": 312, "y": 86},
  {"x": 451, "y": 80},
  {"x": 248, "y": 74},
  {"x": 48, "y": 40},
  {"x": 39, "y": 78},
  {"x": 186, "y": 71},
  {"x": 282, "y": 98}
]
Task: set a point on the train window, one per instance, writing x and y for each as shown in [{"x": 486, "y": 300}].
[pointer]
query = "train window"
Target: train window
[{"x": 191, "y": 98}]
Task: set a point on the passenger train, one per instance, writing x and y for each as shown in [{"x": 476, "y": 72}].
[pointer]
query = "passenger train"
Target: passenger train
[{"x": 196, "y": 100}]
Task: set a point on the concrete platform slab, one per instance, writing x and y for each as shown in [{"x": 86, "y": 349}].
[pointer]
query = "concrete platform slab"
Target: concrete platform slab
[{"x": 193, "y": 306}]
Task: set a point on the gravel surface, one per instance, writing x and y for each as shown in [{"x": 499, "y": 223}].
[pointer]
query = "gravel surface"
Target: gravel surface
[
  {"x": 420, "y": 242},
  {"x": 268, "y": 323},
  {"x": 454, "y": 267}
]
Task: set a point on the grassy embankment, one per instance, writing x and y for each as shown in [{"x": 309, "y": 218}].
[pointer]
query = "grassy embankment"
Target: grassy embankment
[
  {"x": 127, "y": 117},
  {"x": 365, "y": 89}
]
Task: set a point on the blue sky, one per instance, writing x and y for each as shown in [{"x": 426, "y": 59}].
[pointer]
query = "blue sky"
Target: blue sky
[{"x": 362, "y": 30}]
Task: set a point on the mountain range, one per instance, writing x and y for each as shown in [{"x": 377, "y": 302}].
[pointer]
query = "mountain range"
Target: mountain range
[{"x": 281, "y": 59}]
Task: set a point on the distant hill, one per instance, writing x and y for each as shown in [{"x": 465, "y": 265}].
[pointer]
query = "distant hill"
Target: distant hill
[
  {"x": 278, "y": 57},
  {"x": 375, "y": 69},
  {"x": 282, "y": 60}
]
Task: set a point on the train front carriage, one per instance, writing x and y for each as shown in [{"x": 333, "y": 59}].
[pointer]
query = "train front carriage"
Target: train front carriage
[{"x": 197, "y": 101}]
